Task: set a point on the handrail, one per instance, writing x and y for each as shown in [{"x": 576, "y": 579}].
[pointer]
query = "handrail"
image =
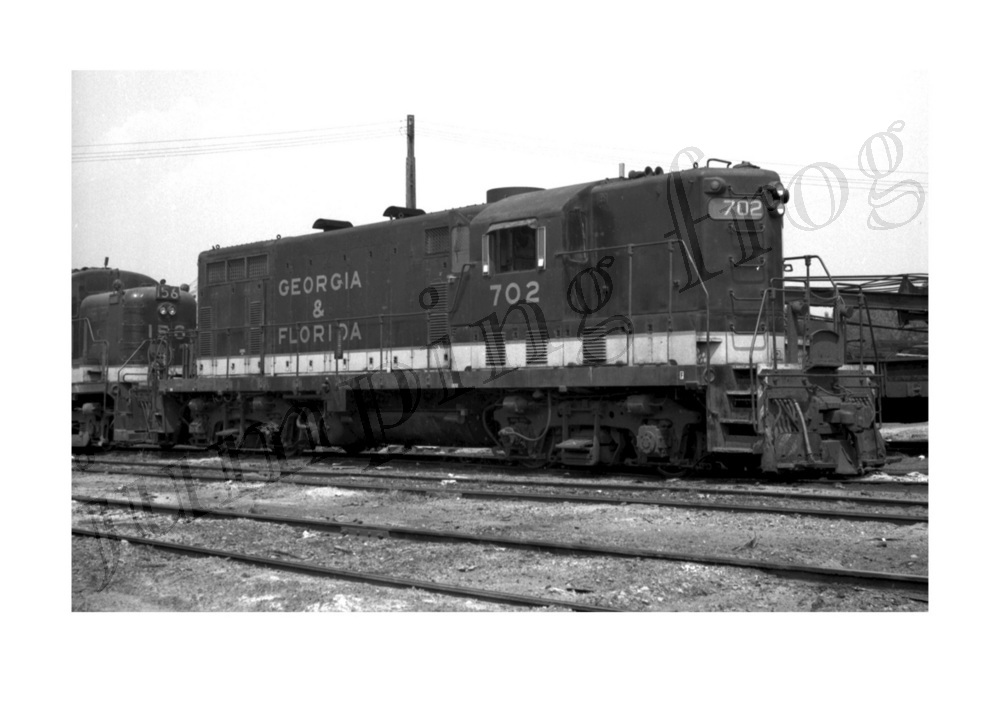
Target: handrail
[
  {"x": 105, "y": 358},
  {"x": 771, "y": 293},
  {"x": 107, "y": 346},
  {"x": 708, "y": 314},
  {"x": 836, "y": 301},
  {"x": 460, "y": 280},
  {"x": 882, "y": 375},
  {"x": 756, "y": 329},
  {"x": 129, "y": 359},
  {"x": 147, "y": 409}
]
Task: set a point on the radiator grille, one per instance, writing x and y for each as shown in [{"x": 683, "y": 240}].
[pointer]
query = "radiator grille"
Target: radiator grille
[
  {"x": 216, "y": 272},
  {"x": 257, "y": 266},
  {"x": 437, "y": 240},
  {"x": 496, "y": 350},
  {"x": 206, "y": 337},
  {"x": 256, "y": 332},
  {"x": 133, "y": 328},
  {"x": 538, "y": 347},
  {"x": 237, "y": 269},
  {"x": 595, "y": 346},
  {"x": 437, "y": 317}
]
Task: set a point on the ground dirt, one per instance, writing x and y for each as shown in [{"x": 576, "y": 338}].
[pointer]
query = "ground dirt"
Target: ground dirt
[{"x": 111, "y": 575}]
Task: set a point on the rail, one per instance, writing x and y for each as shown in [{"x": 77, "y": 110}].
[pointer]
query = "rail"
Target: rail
[
  {"x": 623, "y": 482},
  {"x": 853, "y": 577},
  {"x": 298, "y": 566}
]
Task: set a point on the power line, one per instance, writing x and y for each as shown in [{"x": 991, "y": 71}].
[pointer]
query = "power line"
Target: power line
[
  {"x": 850, "y": 182},
  {"x": 234, "y": 136},
  {"x": 460, "y": 134},
  {"x": 898, "y": 171},
  {"x": 445, "y": 132},
  {"x": 225, "y": 147}
]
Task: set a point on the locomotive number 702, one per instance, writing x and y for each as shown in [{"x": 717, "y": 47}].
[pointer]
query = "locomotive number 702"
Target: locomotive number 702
[
  {"x": 730, "y": 208},
  {"x": 512, "y": 292}
]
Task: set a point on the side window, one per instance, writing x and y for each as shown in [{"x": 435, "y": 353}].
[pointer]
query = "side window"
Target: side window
[{"x": 514, "y": 246}]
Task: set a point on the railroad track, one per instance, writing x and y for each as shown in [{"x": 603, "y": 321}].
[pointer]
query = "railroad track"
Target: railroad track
[
  {"x": 342, "y": 574},
  {"x": 366, "y": 481},
  {"x": 868, "y": 485},
  {"x": 560, "y": 481},
  {"x": 500, "y": 463},
  {"x": 862, "y": 578},
  {"x": 550, "y": 482}
]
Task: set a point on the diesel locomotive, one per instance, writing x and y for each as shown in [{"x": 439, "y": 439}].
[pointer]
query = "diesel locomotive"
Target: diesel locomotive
[
  {"x": 637, "y": 320},
  {"x": 129, "y": 332}
]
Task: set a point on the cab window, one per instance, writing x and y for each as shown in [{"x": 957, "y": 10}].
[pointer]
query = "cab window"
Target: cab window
[{"x": 514, "y": 247}]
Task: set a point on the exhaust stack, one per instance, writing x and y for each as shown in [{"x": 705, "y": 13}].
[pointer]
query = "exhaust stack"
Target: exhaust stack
[{"x": 411, "y": 165}]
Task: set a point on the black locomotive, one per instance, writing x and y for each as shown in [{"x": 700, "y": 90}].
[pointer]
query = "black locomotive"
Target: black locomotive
[
  {"x": 129, "y": 332},
  {"x": 637, "y": 320}
]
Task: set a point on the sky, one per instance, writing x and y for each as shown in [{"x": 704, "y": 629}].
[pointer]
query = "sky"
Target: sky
[{"x": 166, "y": 164}]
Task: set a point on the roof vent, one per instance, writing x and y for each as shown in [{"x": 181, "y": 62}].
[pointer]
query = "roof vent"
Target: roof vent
[
  {"x": 397, "y": 212},
  {"x": 328, "y": 224},
  {"x": 498, "y": 194}
]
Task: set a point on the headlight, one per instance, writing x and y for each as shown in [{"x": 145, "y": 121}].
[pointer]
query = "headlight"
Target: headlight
[{"x": 776, "y": 196}]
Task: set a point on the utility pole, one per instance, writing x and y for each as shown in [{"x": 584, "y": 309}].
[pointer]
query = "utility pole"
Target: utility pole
[{"x": 411, "y": 165}]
